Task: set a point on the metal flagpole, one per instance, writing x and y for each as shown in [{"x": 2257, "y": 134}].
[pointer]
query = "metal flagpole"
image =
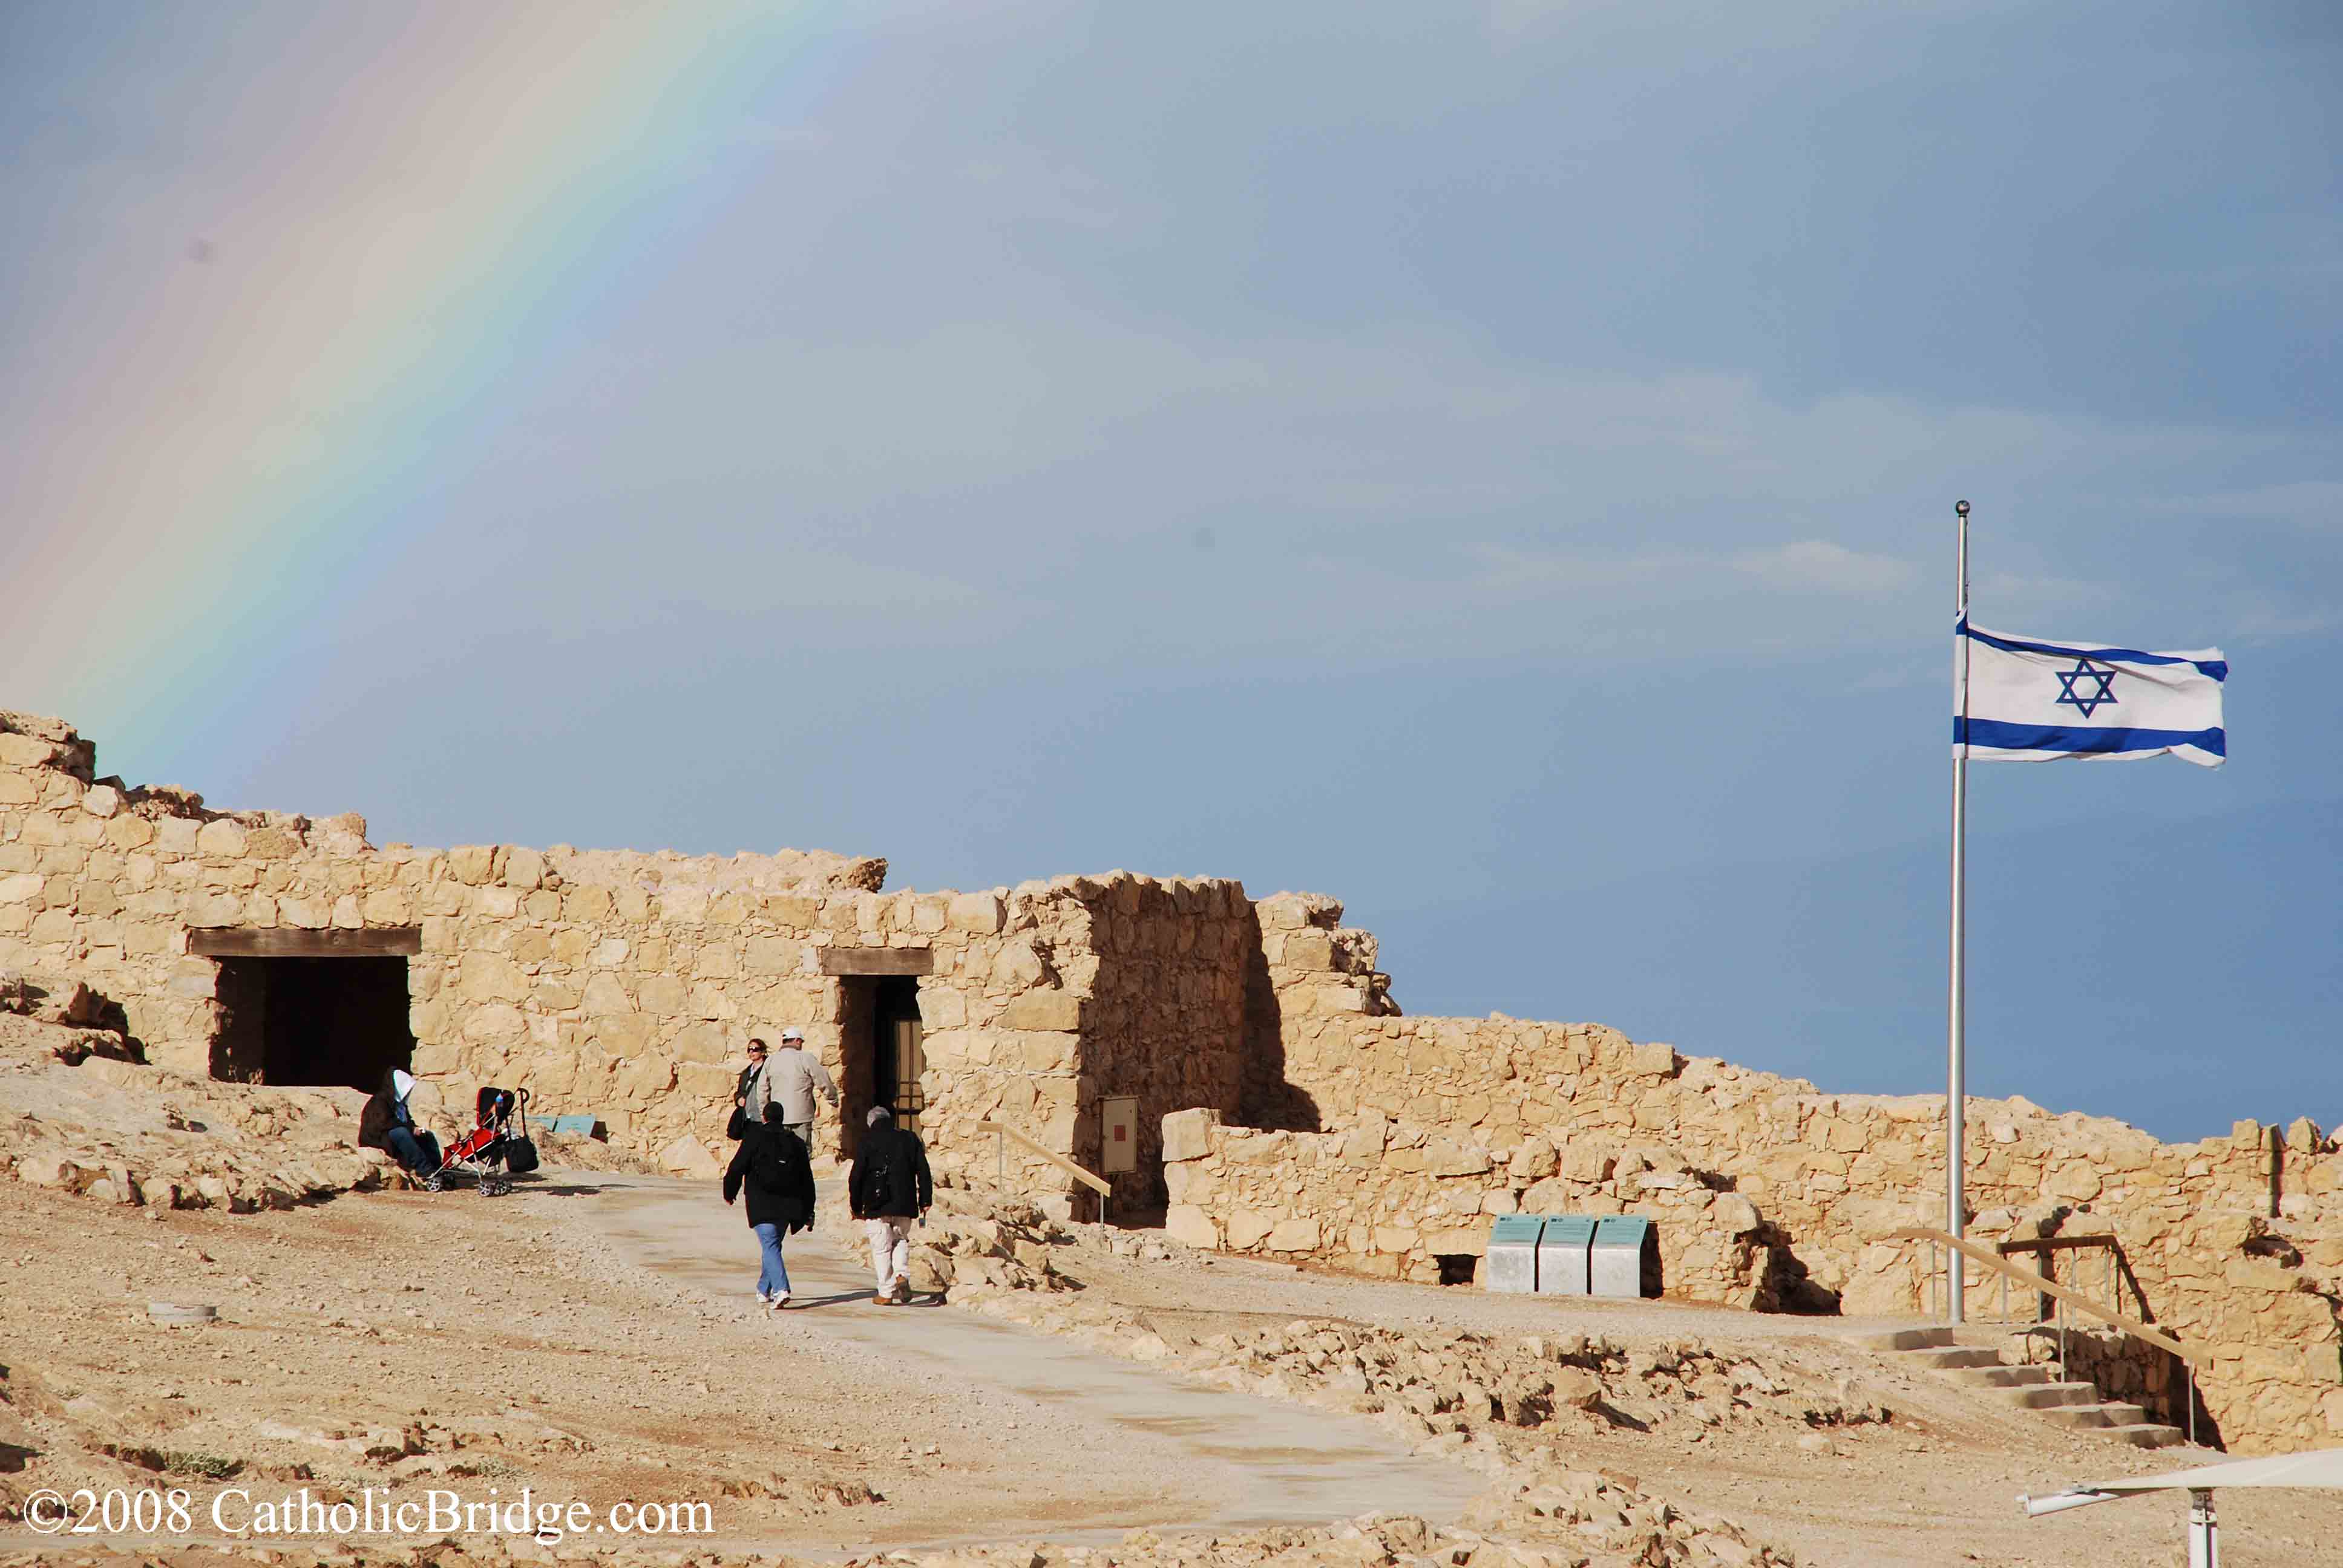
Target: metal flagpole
[{"x": 1957, "y": 1097}]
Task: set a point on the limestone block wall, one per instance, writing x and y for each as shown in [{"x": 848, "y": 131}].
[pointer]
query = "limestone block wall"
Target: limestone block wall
[
  {"x": 1307, "y": 971},
  {"x": 1766, "y": 1192},
  {"x": 1095, "y": 986},
  {"x": 626, "y": 983},
  {"x": 1387, "y": 1198},
  {"x": 1164, "y": 1019}
]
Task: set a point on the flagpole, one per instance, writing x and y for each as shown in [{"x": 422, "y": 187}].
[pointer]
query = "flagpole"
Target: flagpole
[{"x": 1956, "y": 1019}]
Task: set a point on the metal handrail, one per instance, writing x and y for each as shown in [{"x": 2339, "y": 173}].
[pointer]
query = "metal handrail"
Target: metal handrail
[
  {"x": 1001, "y": 1130},
  {"x": 2067, "y": 1297},
  {"x": 2072, "y": 1298}
]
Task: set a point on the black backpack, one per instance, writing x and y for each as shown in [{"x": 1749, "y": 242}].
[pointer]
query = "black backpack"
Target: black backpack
[{"x": 878, "y": 1172}]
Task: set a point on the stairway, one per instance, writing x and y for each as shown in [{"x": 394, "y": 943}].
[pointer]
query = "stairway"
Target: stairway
[{"x": 2028, "y": 1387}]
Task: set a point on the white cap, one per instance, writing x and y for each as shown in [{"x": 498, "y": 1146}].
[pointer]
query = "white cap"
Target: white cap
[{"x": 793, "y": 1032}]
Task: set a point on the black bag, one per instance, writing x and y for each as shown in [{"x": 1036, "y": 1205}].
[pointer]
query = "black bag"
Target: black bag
[
  {"x": 738, "y": 1128},
  {"x": 878, "y": 1184},
  {"x": 520, "y": 1149}
]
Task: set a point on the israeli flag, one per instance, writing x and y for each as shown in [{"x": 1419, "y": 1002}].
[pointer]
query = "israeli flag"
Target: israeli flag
[{"x": 2025, "y": 700}]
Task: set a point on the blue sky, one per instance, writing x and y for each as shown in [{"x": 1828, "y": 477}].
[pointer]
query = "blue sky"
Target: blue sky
[{"x": 1494, "y": 465}]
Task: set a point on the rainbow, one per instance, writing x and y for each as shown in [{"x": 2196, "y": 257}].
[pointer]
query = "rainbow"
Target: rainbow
[{"x": 231, "y": 455}]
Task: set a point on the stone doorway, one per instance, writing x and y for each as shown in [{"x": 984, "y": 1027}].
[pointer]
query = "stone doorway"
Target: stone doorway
[
  {"x": 318, "y": 1008},
  {"x": 880, "y": 1041}
]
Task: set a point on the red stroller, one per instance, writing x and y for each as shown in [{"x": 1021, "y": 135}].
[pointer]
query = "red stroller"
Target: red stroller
[{"x": 491, "y": 1151}]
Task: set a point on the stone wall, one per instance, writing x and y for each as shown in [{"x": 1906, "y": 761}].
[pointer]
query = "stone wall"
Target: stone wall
[
  {"x": 1765, "y": 1191},
  {"x": 1307, "y": 973},
  {"x": 1164, "y": 1019},
  {"x": 627, "y": 984}
]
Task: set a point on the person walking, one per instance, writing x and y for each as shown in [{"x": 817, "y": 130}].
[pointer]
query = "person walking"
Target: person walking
[
  {"x": 887, "y": 1189},
  {"x": 790, "y": 1081},
  {"x": 388, "y": 1125},
  {"x": 772, "y": 1168}
]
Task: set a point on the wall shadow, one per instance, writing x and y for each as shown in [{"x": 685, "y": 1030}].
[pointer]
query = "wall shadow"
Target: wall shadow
[{"x": 1266, "y": 1097}]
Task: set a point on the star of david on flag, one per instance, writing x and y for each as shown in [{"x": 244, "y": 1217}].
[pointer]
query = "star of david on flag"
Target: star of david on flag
[
  {"x": 2084, "y": 670},
  {"x": 2029, "y": 699}
]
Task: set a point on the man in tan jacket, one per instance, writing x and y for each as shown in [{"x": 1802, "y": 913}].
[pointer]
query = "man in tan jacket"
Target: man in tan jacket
[{"x": 790, "y": 1080}]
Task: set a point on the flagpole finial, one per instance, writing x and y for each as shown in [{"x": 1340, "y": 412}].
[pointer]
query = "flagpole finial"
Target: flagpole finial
[{"x": 1960, "y": 509}]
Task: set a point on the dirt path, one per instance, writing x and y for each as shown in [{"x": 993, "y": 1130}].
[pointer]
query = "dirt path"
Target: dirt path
[{"x": 1258, "y": 1463}]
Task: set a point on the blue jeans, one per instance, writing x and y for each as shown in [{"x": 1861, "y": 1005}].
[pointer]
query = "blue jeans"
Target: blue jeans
[
  {"x": 775, "y": 1278},
  {"x": 418, "y": 1151}
]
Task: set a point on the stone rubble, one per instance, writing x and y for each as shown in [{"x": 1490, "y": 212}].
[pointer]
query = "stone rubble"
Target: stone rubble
[{"x": 116, "y": 1131}]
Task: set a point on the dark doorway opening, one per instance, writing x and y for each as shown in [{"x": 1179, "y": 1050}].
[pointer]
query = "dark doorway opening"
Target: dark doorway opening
[
  {"x": 879, "y": 1035},
  {"x": 1456, "y": 1268},
  {"x": 314, "y": 1021}
]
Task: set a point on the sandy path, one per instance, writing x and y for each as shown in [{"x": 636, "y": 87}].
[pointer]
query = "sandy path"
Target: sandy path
[{"x": 1253, "y": 1463}]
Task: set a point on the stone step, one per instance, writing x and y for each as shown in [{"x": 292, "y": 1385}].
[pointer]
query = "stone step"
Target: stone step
[
  {"x": 1903, "y": 1339},
  {"x": 2095, "y": 1415},
  {"x": 1970, "y": 1356},
  {"x": 2044, "y": 1396},
  {"x": 2146, "y": 1434},
  {"x": 2000, "y": 1376}
]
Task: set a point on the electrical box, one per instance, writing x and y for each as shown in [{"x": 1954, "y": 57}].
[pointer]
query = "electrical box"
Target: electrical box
[
  {"x": 1119, "y": 1135},
  {"x": 1513, "y": 1261},
  {"x": 1562, "y": 1254},
  {"x": 1615, "y": 1265}
]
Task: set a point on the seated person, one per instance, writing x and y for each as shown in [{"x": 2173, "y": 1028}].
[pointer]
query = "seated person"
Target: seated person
[{"x": 386, "y": 1125}]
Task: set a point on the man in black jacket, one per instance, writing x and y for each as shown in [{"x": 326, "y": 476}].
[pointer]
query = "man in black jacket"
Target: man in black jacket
[
  {"x": 771, "y": 1167},
  {"x": 888, "y": 1187}
]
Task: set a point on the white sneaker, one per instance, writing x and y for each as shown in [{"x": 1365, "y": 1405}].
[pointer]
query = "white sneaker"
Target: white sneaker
[{"x": 778, "y": 1302}]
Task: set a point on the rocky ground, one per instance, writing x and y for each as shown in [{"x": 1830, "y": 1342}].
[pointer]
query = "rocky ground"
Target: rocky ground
[
  {"x": 77, "y": 1116},
  {"x": 377, "y": 1339}
]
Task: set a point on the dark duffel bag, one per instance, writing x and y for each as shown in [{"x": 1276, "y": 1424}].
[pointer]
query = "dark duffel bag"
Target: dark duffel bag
[{"x": 520, "y": 1149}]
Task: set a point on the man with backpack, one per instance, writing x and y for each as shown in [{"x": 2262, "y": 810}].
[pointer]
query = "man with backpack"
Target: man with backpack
[
  {"x": 770, "y": 1167},
  {"x": 887, "y": 1189}
]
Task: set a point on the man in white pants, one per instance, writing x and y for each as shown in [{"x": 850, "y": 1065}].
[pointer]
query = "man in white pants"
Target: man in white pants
[{"x": 888, "y": 1188}]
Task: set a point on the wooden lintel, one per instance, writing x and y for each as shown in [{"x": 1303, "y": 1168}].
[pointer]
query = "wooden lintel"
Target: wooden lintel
[
  {"x": 287, "y": 942},
  {"x": 877, "y": 961}
]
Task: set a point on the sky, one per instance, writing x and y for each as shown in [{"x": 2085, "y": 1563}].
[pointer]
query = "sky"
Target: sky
[{"x": 1494, "y": 464}]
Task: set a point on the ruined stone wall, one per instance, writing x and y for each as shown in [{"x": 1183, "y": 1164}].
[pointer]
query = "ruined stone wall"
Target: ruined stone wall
[
  {"x": 1765, "y": 1191},
  {"x": 1097, "y": 986},
  {"x": 627, "y": 984},
  {"x": 1309, "y": 970},
  {"x": 1166, "y": 1017}
]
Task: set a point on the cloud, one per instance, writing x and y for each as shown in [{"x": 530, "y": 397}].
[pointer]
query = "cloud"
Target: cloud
[
  {"x": 1820, "y": 566},
  {"x": 2308, "y": 503}
]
